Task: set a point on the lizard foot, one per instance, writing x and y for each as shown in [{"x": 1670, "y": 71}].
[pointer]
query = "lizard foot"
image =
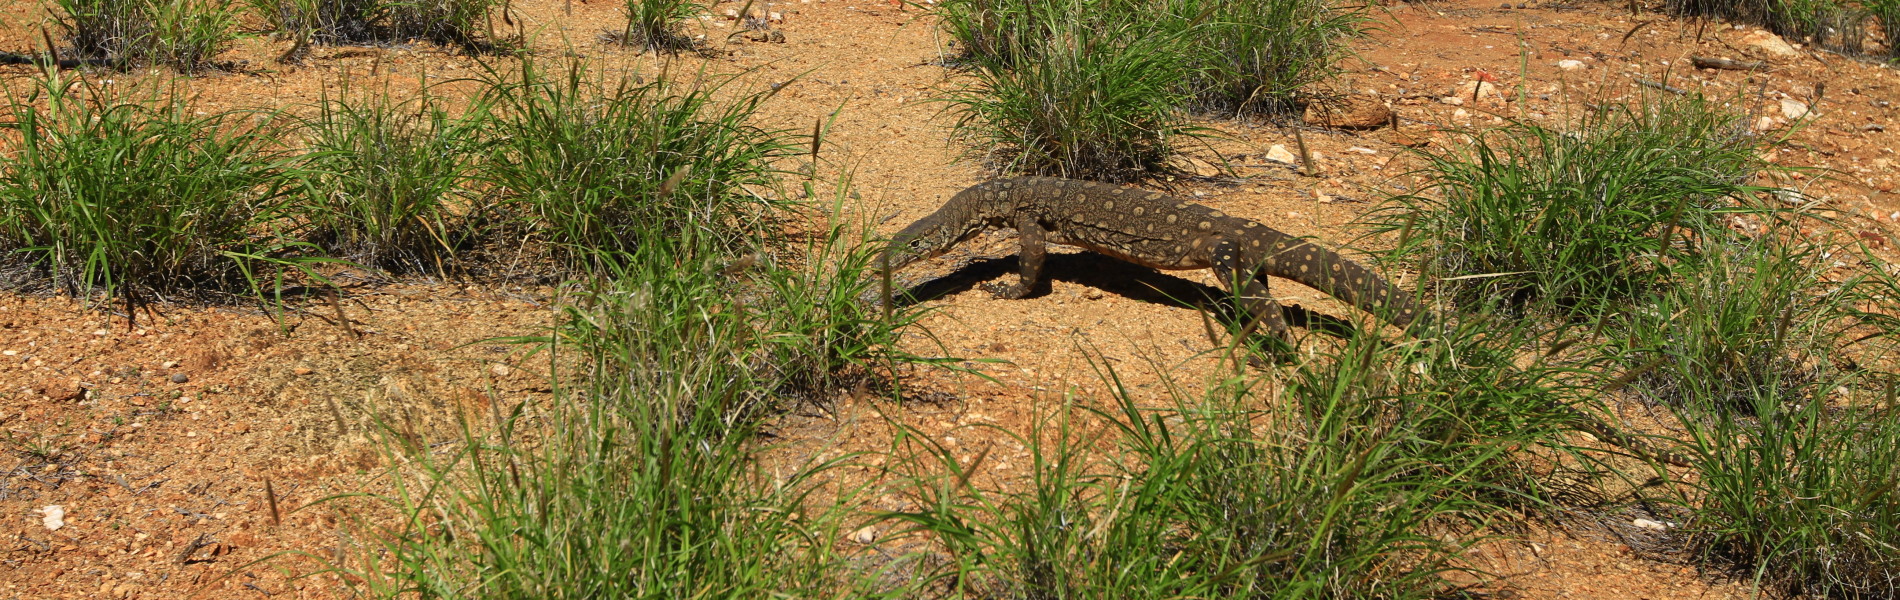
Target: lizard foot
[{"x": 1009, "y": 292}]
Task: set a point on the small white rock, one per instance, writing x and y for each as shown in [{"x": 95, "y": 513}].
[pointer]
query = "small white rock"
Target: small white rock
[
  {"x": 1570, "y": 64},
  {"x": 53, "y": 516},
  {"x": 864, "y": 535},
  {"x": 1362, "y": 150},
  {"x": 1453, "y": 100},
  {"x": 1279, "y": 153},
  {"x": 1794, "y": 110},
  {"x": 1648, "y": 524},
  {"x": 1460, "y": 114}
]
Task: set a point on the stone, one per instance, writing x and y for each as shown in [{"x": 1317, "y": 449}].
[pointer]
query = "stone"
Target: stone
[
  {"x": 1795, "y": 110},
  {"x": 1279, "y": 153},
  {"x": 1571, "y": 64},
  {"x": 1353, "y": 112},
  {"x": 180, "y": 378},
  {"x": 1763, "y": 43}
]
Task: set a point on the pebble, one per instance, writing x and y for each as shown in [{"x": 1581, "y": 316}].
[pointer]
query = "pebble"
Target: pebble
[
  {"x": 864, "y": 535},
  {"x": 1648, "y": 524},
  {"x": 1793, "y": 109},
  {"x": 1570, "y": 64},
  {"x": 1279, "y": 153},
  {"x": 180, "y": 378}
]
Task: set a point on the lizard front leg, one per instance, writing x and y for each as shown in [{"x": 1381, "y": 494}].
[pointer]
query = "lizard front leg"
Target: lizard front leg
[{"x": 1035, "y": 249}]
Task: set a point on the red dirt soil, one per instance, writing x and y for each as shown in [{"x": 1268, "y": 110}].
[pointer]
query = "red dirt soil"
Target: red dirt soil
[{"x": 163, "y": 483}]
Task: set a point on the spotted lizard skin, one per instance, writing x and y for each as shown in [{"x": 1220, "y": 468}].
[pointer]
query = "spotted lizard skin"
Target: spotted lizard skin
[{"x": 1150, "y": 229}]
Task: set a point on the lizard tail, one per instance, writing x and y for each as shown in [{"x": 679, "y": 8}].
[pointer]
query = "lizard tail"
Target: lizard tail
[{"x": 1354, "y": 284}]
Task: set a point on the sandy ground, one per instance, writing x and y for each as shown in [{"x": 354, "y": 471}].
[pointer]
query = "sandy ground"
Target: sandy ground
[{"x": 163, "y": 482}]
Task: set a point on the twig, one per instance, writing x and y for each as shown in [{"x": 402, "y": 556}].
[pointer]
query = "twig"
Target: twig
[
  {"x": 270, "y": 495},
  {"x": 1704, "y": 62},
  {"x": 1667, "y": 88}
]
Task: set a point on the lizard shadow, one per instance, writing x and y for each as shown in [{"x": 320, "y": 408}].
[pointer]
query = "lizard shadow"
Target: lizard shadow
[{"x": 1125, "y": 279}]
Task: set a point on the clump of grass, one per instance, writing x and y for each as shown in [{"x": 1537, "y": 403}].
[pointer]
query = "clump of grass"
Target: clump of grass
[
  {"x": 1801, "y": 496},
  {"x": 1748, "y": 318},
  {"x": 183, "y": 34},
  {"x": 460, "y": 23},
  {"x": 1580, "y": 220},
  {"x": 1834, "y": 25},
  {"x": 1088, "y": 101},
  {"x": 638, "y": 479},
  {"x": 1345, "y": 486},
  {"x": 660, "y": 25},
  {"x": 108, "y": 192},
  {"x": 1232, "y": 56},
  {"x": 589, "y": 163},
  {"x": 392, "y": 182},
  {"x": 1258, "y": 57}
]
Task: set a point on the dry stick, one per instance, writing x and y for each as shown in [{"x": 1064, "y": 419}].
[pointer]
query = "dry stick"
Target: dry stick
[
  {"x": 1306, "y": 158},
  {"x": 340, "y": 319},
  {"x": 270, "y": 495},
  {"x": 1667, "y": 88},
  {"x": 1704, "y": 62}
]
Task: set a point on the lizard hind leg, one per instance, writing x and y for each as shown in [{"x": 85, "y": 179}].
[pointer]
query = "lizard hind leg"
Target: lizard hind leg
[{"x": 1248, "y": 283}]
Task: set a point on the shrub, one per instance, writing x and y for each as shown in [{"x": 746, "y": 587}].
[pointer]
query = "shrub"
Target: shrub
[
  {"x": 1258, "y": 56},
  {"x": 182, "y": 34},
  {"x": 639, "y": 478},
  {"x": 1750, "y": 317},
  {"x": 140, "y": 196},
  {"x": 1344, "y": 486}
]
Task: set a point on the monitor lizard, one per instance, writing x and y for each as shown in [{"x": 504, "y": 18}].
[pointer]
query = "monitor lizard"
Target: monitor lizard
[
  {"x": 1160, "y": 231},
  {"x": 1151, "y": 229}
]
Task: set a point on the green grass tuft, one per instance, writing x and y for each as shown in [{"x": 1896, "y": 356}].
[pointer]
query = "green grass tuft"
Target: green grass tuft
[
  {"x": 108, "y": 192},
  {"x": 183, "y": 34},
  {"x": 392, "y": 182},
  {"x": 589, "y": 164},
  {"x": 1087, "y": 101},
  {"x": 660, "y": 25},
  {"x": 1584, "y": 219},
  {"x": 460, "y": 23}
]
